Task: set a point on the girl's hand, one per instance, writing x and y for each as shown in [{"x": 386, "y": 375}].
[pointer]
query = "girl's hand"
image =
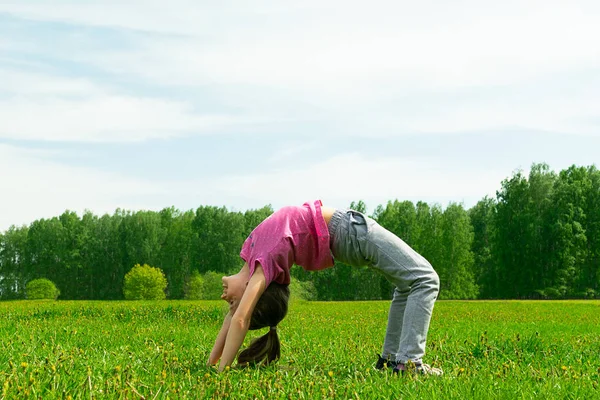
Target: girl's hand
[
  {"x": 217, "y": 349},
  {"x": 240, "y": 321}
]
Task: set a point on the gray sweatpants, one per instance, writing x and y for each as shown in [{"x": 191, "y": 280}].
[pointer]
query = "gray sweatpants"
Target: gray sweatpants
[{"x": 358, "y": 240}]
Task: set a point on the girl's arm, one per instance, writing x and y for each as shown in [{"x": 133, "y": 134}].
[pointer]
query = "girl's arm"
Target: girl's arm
[
  {"x": 217, "y": 349},
  {"x": 240, "y": 321}
]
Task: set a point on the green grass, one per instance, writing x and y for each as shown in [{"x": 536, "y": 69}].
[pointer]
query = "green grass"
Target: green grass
[{"x": 494, "y": 349}]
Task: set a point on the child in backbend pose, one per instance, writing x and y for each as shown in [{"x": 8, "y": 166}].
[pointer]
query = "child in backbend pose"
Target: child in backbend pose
[{"x": 312, "y": 236}]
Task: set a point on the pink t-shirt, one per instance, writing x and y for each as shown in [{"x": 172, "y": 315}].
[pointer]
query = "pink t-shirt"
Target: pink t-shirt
[{"x": 291, "y": 235}]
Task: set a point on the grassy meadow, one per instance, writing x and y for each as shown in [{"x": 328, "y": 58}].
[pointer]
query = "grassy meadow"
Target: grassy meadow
[{"x": 158, "y": 350}]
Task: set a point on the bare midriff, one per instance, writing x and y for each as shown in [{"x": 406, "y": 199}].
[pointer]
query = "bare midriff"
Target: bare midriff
[{"x": 327, "y": 213}]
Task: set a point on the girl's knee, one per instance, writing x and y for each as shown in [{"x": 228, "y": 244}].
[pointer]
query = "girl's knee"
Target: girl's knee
[
  {"x": 429, "y": 282},
  {"x": 430, "y": 278},
  {"x": 435, "y": 281}
]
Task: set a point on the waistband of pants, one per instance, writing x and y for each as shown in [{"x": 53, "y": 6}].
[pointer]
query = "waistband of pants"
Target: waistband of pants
[{"x": 334, "y": 223}]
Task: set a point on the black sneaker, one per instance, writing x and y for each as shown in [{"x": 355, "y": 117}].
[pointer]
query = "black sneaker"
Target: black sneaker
[{"x": 384, "y": 363}]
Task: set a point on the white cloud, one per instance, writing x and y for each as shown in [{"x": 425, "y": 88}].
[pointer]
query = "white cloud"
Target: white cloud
[
  {"x": 341, "y": 179},
  {"x": 36, "y": 188},
  {"x": 342, "y": 44},
  {"x": 544, "y": 107},
  {"x": 20, "y": 83},
  {"x": 183, "y": 17},
  {"x": 333, "y": 50},
  {"x": 343, "y": 61},
  {"x": 346, "y": 70},
  {"x": 292, "y": 149},
  {"x": 45, "y": 107},
  {"x": 105, "y": 118}
]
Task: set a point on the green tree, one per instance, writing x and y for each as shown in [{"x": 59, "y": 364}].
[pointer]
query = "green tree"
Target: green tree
[
  {"x": 539, "y": 236},
  {"x": 300, "y": 290},
  {"x": 427, "y": 230},
  {"x": 252, "y": 218},
  {"x": 175, "y": 255},
  {"x": 428, "y": 234},
  {"x": 72, "y": 249},
  {"x": 482, "y": 220},
  {"x": 456, "y": 269},
  {"x": 144, "y": 282},
  {"x": 220, "y": 238},
  {"x": 141, "y": 237},
  {"x": 570, "y": 239},
  {"x": 535, "y": 273},
  {"x": 13, "y": 262},
  {"x": 105, "y": 257},
  {"x": 194, "y": 289},
  {"x": 590, "y": 277},
  {"x": 511, "y": 227},
  {"x": 399, "y": 218},
  {"x": 213, "y": 286},
  {"x": 359, "y": 206},
  {"x": 41, "y": 288}
]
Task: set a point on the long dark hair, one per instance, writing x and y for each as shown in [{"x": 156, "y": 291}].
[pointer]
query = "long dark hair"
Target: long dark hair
[{"x": 270, "y": 309}]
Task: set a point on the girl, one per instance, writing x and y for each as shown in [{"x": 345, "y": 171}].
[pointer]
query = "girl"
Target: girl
[{"x": 311, "y": 236}]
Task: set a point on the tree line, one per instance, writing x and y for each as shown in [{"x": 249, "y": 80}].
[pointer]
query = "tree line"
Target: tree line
[{"x": 538, "y": 238}]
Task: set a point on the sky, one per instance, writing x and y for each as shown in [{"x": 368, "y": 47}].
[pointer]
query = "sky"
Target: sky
[{"x": 146, "y": 105}]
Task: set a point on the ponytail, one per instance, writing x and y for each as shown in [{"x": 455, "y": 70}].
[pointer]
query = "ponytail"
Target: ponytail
[
  {"x": 270, "y": 309},
  {"x": 265, "y": 349}
]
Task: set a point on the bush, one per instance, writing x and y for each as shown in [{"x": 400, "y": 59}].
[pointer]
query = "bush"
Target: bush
[
  {"x": 213, "y": 286},
  {"x": 300, "y": 290},
  {"x": 194, "y": 289},
  {"x": 553, "y": 293},
  {"x": 144, "y": 282},
  {"x": 41, "y": 289}
]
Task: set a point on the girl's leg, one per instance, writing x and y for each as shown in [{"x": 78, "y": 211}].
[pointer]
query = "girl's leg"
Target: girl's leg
[
  {"x": 359, "y": 240},
  {"x": 391, "y": 345},
  {"x": 417, "y": 316},
  {"x": 413, "y": 275}
]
